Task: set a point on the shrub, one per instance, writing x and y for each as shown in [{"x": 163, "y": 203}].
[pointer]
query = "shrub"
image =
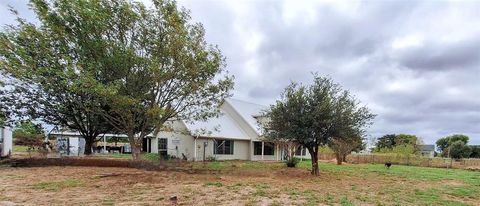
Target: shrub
[{"x": 292, "y": 162}]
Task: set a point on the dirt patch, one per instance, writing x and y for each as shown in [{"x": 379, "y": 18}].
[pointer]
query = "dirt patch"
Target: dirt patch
[
  {"x": 452, "y": 182},
  {"x": 59, "y": 185}
]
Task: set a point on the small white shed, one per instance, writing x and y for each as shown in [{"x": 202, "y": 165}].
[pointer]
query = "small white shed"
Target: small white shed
[
  {"x": 5, "y": 142},
  {"x": 71, "y": 146}
]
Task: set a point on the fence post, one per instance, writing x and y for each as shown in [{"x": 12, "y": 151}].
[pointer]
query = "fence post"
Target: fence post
[
  {"x": 373, "y": 158},
  {"x": 358, "y": 159}
]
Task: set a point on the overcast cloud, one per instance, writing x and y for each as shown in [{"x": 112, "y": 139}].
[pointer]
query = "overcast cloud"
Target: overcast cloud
[{"x": 415, "y": 64}]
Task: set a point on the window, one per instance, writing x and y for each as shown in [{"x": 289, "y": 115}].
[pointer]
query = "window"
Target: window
[
  {"x": 300, "y": 151},
  {"x": 162, "y": 147},
  {"x": 257, "y": 148},
  {"x": 223, "y": 147},
  {"x": 268, "y": 148}
]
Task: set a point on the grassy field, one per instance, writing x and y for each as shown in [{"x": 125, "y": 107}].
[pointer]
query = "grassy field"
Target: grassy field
[{"x": 241, "y": 183}]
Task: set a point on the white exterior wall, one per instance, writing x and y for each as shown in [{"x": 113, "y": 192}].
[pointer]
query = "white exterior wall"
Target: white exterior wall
[
  {"x": 6, "y": 136},
  {"x": 240, "y": 150},
  {"x": 177, "y": 144}
]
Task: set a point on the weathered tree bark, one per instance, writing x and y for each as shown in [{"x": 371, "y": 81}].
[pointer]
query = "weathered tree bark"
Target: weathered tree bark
[
  {"x": 314, "y": 155},
  {"x": 136, "y": 149},
  {"x": 339, "y": 158},
  {"x": 88, "y": 145}
]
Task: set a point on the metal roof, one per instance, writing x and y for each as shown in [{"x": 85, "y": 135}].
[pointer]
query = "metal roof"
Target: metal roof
[{"x": 248, "y": 111}]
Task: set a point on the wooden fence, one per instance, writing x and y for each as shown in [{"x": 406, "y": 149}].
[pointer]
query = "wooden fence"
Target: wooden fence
[{"x": 407, "y": 160}]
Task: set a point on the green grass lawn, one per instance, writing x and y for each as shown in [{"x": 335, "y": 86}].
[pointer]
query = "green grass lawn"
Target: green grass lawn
[
  {"x": 442, "y": 186},
  {"x": 467, "y": 183}
]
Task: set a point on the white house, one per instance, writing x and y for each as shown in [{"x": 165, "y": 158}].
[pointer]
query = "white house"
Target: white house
[
  {"x": 235, "y": 134},
  {"x": 5, "y": 142}
]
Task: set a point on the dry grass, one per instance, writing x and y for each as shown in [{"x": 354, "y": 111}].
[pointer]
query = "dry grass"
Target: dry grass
[{"x": 240, "y": 183}]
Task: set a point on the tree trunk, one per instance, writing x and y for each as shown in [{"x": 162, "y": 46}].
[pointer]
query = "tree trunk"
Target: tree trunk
[
  {"x": 88, "y": 145},
  {"x": 314, "y": 155},
  {"x": 136, "y": 148},
  {"x": 339, "y": 158}
]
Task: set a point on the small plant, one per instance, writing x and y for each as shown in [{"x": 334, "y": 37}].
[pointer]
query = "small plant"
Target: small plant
[{"x": 292, "y": 162}]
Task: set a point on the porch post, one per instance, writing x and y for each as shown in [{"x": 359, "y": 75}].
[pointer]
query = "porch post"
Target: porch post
[
  {"x": 104, "y": 144},
  {"x": 195, "y": 148},
  {"x": 276, "y": 152},
  {"x": 263, "y": 145}
]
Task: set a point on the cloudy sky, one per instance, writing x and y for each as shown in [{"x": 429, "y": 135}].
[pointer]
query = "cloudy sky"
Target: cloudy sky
[{"x": 415, "y": 64}]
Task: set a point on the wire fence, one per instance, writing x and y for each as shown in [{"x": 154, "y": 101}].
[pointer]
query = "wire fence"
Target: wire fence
[{"x": 407, "y": 160}]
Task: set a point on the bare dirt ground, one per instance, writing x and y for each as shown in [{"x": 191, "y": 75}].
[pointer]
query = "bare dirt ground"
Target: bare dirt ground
[{"x": 124, "y": 186}]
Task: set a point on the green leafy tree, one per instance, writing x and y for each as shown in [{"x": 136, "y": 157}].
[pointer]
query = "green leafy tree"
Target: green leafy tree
[
  {"x": 27, "y": 128},
  {"x": 406, "y": 139},
  {"x": 348, "y": 129},
  {"x": 386, "y": 141},
  {"x": 159, "y": 64},
  {"x": 458, "y": 149},
  {"x": 444, "y": 143},
  {"x": 475, "y": 151},
  {"x": 3, "y": 108},
  {"x": 454, "y": 146},
  {"x": 312, "y": 115},
  {"x": 52, "y": 66}
]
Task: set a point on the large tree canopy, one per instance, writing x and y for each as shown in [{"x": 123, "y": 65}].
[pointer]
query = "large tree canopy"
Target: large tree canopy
[
  {"x": 103, "y": 65},
  {"x": 445, "y": 142},
  {"x": 166, "y": 70},
  {"x": 50, "y": 65},
  {"x": 316, "y": 115}
]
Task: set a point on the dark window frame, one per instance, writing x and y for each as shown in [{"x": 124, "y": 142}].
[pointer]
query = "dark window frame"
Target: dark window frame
[
  {"x": 163, "y": 152},
  {"x": 268, "y": 148},
  {"x": 223, "y": 147},
  {"x": 257, "y": 148}
]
